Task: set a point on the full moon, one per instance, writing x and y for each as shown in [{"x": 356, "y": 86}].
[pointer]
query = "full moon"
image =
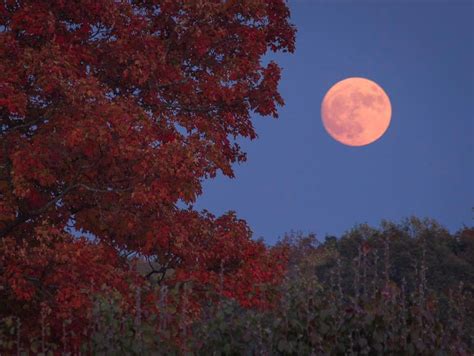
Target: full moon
[{"x": 356, "y": 111}]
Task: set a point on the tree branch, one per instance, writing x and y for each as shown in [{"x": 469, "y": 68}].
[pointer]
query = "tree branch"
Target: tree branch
[{"x": 34, "y": 213}]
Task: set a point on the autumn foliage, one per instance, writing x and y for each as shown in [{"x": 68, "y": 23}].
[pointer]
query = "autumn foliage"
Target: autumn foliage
[{"x": 112, "y": 113}]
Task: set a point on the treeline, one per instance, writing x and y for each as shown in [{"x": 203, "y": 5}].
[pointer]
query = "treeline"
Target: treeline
[
  {"x": 412, "y": 250},
  {"x": 402, "y": 288},
  {"x": 414, "y": 276}
]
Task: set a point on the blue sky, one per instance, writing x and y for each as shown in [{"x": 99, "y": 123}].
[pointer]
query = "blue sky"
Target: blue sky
[{"x": 298, "y": 178}]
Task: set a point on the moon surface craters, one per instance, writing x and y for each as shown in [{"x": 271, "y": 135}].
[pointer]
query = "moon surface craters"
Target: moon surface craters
[{"x": 356, "y": 111}]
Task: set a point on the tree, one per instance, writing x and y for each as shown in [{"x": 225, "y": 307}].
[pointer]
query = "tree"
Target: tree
[
  {"x": 419, "y": 254},
  {"x": 113, "y": 112}
]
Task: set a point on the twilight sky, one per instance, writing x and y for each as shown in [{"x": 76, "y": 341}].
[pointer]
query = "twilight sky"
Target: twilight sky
[{"x": 298, "y": 178}]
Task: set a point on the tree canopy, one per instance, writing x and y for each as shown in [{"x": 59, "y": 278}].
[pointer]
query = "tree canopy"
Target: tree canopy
[{"x": 111, "y": 114}]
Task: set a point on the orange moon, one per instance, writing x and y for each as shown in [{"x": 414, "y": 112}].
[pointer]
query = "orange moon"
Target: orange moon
[{"x": 356, "y": 111}]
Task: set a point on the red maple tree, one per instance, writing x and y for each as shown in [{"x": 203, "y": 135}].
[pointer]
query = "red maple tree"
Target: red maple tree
[{"x": 112, "y": 113}]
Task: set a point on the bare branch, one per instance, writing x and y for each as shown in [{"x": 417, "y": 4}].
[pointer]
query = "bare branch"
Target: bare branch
[{"x": 101, "y": 190}]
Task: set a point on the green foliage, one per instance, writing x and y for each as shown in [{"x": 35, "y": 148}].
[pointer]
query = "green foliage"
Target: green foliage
[
  {"x": 118, "y": 331},
  {"x": 421, "y": 252}
]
